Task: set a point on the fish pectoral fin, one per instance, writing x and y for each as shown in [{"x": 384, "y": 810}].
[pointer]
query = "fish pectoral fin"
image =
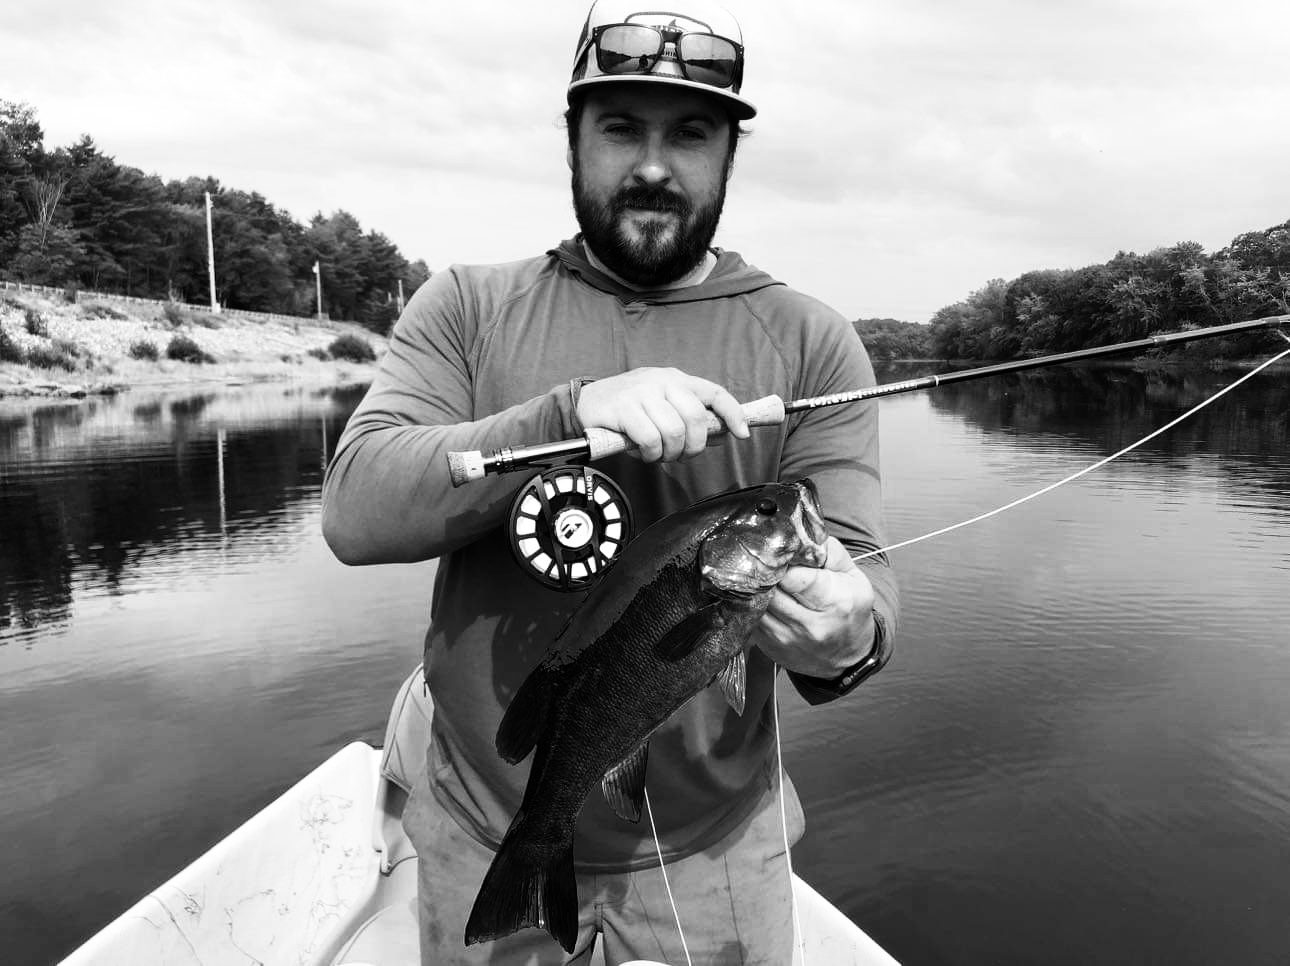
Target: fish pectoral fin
[
  {"x": 525, "y": 717},
  {"x": 733, "y": 680},
  {"x": 682, "y": 639},
  {"x": 624, "y": 784}
]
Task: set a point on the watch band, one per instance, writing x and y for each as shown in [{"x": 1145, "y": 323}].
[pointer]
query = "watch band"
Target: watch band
[{"x": 818, "y": 690}]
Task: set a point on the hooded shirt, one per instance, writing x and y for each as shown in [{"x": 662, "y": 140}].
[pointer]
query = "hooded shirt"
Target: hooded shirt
[{"x": 483, "y": 357}]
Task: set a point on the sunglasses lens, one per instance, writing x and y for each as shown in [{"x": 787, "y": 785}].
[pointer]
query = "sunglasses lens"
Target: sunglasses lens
[
  {"x": 708, "y": 59},
  {"x": 628, "y": 49}
]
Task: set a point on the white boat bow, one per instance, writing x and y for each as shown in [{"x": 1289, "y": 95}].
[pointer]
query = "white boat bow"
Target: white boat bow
[{"x": 324, "y": 876}]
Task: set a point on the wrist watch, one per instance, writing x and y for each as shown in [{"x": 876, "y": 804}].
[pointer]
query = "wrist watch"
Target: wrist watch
[{"x": 817, "y": 690}]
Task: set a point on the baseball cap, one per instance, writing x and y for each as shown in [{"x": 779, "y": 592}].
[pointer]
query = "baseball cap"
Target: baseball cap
[{"x": 688, "y": 43}]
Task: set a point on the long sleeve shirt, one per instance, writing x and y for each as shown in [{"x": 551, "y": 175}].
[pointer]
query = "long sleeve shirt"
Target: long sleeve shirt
[{"x": 482, "y": 358}]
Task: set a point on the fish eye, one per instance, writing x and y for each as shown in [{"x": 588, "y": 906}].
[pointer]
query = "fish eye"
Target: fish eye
[{"x": 766, "y": 507}]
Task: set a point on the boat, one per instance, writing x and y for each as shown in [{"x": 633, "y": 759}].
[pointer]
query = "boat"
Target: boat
[{"x": 325, "y": 876}]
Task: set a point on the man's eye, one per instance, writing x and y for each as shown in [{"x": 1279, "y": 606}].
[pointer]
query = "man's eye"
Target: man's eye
[{"x": 691, "y": 135}]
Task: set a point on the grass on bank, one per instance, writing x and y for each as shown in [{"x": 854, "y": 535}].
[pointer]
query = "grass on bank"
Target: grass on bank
[{"x": 42, "y": 337}]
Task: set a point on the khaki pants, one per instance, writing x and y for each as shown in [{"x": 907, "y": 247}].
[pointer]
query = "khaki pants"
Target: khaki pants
[{"x": 734, "y": 900}]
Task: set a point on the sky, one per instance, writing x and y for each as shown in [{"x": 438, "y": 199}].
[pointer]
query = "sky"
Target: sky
[{"x": 905, "y": 152}]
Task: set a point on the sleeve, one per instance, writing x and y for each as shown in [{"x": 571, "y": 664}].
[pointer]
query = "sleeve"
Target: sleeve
[
  {"x": 837, "y": 447},
  {"x": 387, "y": 496}
]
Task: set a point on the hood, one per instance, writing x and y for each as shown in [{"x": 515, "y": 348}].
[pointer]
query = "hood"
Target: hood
[{"x": 731, "y": 276}]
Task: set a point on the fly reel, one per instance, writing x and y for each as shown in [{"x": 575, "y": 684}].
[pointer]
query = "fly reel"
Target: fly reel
[{"x": 568, "y": 525}]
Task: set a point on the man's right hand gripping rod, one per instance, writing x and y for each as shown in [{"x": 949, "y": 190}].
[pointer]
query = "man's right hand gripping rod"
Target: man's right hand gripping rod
[{"x": 595, "y": 444}]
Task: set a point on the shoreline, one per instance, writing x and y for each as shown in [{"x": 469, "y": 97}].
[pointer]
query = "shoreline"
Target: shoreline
[
  {"x": 21, "y": 382},
  {"x": 105, "y": 348}
]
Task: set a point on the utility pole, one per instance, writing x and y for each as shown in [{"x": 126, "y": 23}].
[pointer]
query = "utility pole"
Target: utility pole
[
  {"x": 210, "y": 254},
  {"x": 318, "y": 277},
  {"x": 400, "y": 296}
]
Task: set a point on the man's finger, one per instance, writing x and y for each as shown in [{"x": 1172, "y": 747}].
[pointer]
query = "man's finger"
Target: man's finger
[
  {"x": 695, "y": 414},
  {"x": 808, "y": 586},
  {"x": 637, "y": 426},
  {"x": 730, "y": 412},
  {"x": 671, "y": 427},
  {"x": 837, "y": 557}
]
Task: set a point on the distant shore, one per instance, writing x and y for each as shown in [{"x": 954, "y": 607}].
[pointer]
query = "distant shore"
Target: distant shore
[{"x": 50, "y": 347}]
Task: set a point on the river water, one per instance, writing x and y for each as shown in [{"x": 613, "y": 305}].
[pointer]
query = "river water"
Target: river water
[{"x": 1079, "y": 754}]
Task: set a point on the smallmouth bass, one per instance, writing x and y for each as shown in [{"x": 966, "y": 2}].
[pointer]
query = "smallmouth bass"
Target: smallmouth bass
[{"x": 671, "y": 618}]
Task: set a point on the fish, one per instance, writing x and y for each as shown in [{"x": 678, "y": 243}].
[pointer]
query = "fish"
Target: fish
[{"x": 671, "y": 618}]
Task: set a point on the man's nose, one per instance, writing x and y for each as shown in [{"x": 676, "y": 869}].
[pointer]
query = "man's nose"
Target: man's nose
[{"x": 652, "y": 166}]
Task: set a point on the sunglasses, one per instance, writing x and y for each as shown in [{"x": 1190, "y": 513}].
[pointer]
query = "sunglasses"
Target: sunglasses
[{"x": 629, "y": 48}]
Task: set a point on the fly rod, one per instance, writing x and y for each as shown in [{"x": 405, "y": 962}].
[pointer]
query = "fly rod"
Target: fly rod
[{"x": 772, "y": 410}]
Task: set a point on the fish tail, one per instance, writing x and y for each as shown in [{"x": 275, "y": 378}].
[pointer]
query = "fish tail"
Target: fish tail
[{"x": 527, "y": 886}]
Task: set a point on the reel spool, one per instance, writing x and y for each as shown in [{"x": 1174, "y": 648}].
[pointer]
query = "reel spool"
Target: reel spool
[{"x": 568, "y": 525}]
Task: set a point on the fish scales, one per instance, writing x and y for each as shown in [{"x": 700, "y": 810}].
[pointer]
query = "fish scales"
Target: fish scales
[{"x": 637, "y": 688}]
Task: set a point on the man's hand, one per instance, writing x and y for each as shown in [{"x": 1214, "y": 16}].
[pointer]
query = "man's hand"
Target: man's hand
[
  {"x": 664, "y": 412},
  {"x": 820, "y": 620}
]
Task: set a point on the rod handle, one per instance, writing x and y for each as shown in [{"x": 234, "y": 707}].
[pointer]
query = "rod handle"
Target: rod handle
[
  {"x": 597, "y": 443},
  {"x": 767, "y": 411}
]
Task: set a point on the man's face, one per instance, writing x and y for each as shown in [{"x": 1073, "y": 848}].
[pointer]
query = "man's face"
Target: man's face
[{"x": 649, "y": 178}]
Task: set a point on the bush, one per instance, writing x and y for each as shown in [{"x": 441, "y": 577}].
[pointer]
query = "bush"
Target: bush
[
  {"x": 58, "y": 355},
  {"x": 206, "y": 320},
  {"x": 143, "y": 349},
  {"x": 97, "y": 310},
  {"x": 352, "y": 348},
  {"x": 319, "y": 353},
  {"x": 36, "y": 324},
  {"x": 175, "y": 315},
  {"x": 184, "y": 349},
  {"x": 10, "y": 351}
]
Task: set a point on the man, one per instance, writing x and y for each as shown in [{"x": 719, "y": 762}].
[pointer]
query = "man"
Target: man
[{"x": 640, "y": 326}]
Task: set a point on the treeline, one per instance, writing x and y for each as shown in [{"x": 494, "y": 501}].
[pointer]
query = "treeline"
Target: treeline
[
  {"x": 73, "y": 217},
  {"x": 1129, "y": 297},
  {"x": 889, "y": 339}
]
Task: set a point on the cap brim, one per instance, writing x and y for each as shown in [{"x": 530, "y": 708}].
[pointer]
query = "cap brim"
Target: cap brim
[{"x": 740, "y": 108}]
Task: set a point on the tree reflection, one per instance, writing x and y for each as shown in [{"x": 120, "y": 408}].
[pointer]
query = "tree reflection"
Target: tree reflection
[
  {"x": 88, "y": 491},
  {"x": 1107, "y": 408},
  {"x": 35, "y": 573}
]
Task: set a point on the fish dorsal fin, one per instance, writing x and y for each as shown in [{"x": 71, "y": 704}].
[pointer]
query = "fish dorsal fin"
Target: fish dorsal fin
[
  {"x": 525, "y": 717},
  {"x": 624, "y": 784},
  {"x": 677, "y": 643},
  {"x": 733, "y": 680}
]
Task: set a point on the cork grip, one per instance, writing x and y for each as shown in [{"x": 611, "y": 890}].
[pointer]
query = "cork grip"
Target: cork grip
[{"x": 767, "y": 411}]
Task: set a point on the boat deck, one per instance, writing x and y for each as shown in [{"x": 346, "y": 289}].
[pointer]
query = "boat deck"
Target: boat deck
[{"x": 325, "y": 876}]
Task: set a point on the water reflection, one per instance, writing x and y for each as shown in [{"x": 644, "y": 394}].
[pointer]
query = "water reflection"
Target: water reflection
[
  {"x": 90, "y": 488},
  {"x": 181, "y": 645},
  {"x": 1110, "y": 408}
]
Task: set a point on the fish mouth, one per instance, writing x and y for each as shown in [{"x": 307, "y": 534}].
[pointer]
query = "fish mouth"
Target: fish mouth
[{"x": 809, "y": 524}]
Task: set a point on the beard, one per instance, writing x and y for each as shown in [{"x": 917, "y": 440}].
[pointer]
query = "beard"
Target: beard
[{"x": 660, "y": 251}]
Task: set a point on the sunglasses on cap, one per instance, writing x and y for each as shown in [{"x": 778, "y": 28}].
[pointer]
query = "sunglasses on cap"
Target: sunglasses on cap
[{"x": 630, "y": 48}]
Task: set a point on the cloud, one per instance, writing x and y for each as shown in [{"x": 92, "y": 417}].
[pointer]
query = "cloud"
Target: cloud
[{"x": 905, "y": 152}]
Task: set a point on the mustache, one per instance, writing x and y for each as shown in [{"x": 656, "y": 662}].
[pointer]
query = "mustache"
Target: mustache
[{"x": 649, "y": 198}]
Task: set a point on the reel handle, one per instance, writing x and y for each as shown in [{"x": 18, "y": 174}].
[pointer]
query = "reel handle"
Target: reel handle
[{"x": 596, "y": 443}]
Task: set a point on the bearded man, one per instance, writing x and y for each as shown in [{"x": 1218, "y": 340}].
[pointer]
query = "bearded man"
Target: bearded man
[{"x": 639, "y": 325}]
